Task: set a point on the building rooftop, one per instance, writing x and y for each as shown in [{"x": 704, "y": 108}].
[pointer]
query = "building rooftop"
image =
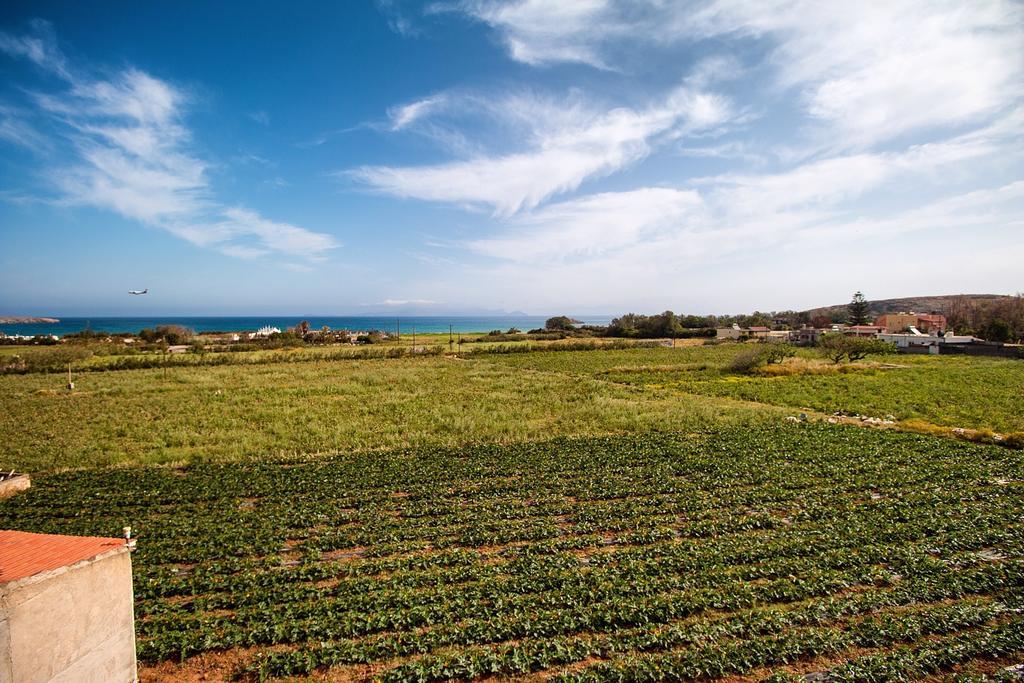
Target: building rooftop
[{"x": 23, "y": 554}]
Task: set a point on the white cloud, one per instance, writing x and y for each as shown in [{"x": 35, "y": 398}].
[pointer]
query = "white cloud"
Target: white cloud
[
  {"x": 876, "y": 70},
  {"x": 131, "y": 154},
  {"x": 572, "y": 144},
  {"x": 15, "y": 129},
  {"x": 706, "y": 261},
  {"x": 405, "y": 115},
  {"x": 592, "y": 226},
  {"x": 39, "y": 46},
  {"x": 403, "y": 302},
  {"x": 872, "y": 70},
  {"x": 539, "y": 31},
  {"x": 636, "y": 244}
]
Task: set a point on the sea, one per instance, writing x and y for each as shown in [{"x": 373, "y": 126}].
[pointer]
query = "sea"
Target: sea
[{"x": 407, "y": 324}]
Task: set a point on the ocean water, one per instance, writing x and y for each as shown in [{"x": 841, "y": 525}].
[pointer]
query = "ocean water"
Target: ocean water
[{"x": 251, "y": 323}]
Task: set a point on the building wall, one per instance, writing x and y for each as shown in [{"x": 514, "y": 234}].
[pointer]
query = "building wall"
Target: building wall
[
  {"x": 70, "y": 625},
  {"x": 896, "y": 322},
  {"x": 931, "y": 323}
]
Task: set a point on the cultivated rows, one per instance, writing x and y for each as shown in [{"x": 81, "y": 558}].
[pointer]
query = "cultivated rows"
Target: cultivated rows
[{"x": 802, "y": 548}]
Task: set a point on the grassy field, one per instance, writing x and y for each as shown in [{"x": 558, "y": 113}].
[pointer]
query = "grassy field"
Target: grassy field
[
  {"x": 736, "y": 552},
  {"x": 273, "y": 410},
  {"x": 956, "y": 391},
  {"x": 316, "y": 403},
  {"x": 622, "y": 515}
]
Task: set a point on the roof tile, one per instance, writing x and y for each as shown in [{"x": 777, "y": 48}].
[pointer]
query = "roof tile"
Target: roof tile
[{"x": 23, "y": 554}]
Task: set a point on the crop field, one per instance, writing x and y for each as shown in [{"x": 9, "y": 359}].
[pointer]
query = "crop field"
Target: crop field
[
  {"x": 954, "y": 391},
  {"x": 635, "y": 514},
  {"x": 738, "y": 552},
  {"x": 313, "y": 401},
  {"x": 263, "y": 411}
]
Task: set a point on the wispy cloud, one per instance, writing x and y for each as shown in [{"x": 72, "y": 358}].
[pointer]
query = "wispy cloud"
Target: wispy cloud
[
  {"x": 16, "y": 129},
  {"x": 400, "y": 19},
  {"x": 873, "y": 70},
  {"x": 592, "y": 226},
  {"x": 405, "y": 115},
  {"x": 574, "y": 143},
  {"x": 38, "y": 46},
  {"x": 736, "y": 216},
  {"x": 131, "y": 153},
  {"x": 540, "y": 32}
]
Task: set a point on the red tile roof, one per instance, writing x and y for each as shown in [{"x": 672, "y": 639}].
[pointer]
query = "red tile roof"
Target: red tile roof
[{"x": 23, "y": 554}]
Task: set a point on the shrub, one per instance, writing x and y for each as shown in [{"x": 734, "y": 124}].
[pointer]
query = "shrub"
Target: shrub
[
  {"x": 836, "y": 346},
  {"x": 560, "y": 322},
  {"x": 772, "y": 353},
  {"x": 776, "y": 352},
  {"x": 45, "y": 360},
  {"x": 747, "y": 360},
  {"x": 172, "y": 334}
]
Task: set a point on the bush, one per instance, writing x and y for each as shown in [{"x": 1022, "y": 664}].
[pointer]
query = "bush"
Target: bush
[
  {"x": 171, "y": 334},
  {"x": 747, "y": 360},
  {"x": 560, "y": 322},
  {"x": 836, "y": 346},
  {"x": 45, "y": 360},
  {"x": 776, "y": 352},
  {"x": 771, "y": 353}
]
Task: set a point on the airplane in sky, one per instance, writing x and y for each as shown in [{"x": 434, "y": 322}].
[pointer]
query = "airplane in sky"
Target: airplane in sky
[{"x": 136, "y": 292}]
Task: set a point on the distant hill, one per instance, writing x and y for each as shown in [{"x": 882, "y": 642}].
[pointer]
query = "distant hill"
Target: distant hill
[
  {"x": 19, "y": 320},
  {"x": 918, "y": 304}
]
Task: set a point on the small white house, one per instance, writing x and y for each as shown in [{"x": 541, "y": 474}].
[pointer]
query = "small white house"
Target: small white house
[{"x": 264, "y": 331}]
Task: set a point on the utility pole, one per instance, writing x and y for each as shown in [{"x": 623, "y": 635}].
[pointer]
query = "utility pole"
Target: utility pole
[
  {"x": 398, "y": 328},
  {"x": 451, "y": 341}
]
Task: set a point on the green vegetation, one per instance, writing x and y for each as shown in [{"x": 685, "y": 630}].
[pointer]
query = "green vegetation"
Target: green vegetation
[
  {"x": 273, "y": 409},
  {"x": 225, "y": 406},
  {"x": 580, "y": 509},
  {"x": 859, "y": 310},
  {"x": 952, "y": 391},
  {"x": 837, "y": 346},
  {"x": 730, "y": 551}
]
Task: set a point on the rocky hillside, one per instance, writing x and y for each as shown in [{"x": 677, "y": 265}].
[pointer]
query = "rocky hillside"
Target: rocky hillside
[{"x": 918, "y": 304}]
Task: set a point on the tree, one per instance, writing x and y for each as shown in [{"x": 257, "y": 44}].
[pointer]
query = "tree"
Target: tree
[
  {"x": 777, "y": 352},
  {"x": 772, "y": 353},
  {"x": 821, "y": 321},
  {"x": 836, "y": 346},
  {"x": 997, "y": 331},
  {"x": 858, "y": 310},
  {"x": 560, "y": 323}
]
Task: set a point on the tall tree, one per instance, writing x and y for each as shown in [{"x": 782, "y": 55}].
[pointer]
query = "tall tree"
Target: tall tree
[{"x": 858, "y": 310}]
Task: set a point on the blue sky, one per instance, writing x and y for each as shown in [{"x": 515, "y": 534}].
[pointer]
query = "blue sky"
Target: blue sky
[{"x": 581, "y": 156}]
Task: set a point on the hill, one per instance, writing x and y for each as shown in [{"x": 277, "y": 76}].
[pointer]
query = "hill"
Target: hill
[{"x": 919, "y": 304}]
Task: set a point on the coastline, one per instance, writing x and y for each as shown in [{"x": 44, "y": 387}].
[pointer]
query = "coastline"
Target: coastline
[
  {"x": 240, "y": 324},
  {"x": 27, "y": 320}
]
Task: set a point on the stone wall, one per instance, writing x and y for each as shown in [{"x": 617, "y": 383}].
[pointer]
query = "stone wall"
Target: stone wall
[{"x": 70, "y": 625}]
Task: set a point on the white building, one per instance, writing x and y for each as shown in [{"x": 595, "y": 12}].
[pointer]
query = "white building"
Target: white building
[{"x": 264, "y": 331}]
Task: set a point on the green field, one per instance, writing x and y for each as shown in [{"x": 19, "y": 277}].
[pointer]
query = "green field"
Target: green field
[
  {"x": 956, "y": 391},
  {"x": 735, "y": 551},
  {"x": 624, "y": 515},
  {"x": 316, "y": 403}
]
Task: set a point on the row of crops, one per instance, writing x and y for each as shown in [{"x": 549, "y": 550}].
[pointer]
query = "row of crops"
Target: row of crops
[{"x": 772, "y": 553}]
